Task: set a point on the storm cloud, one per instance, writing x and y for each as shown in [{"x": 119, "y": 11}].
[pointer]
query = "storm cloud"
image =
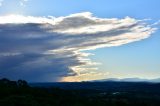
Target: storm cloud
[{"x": 53, "y": 49}]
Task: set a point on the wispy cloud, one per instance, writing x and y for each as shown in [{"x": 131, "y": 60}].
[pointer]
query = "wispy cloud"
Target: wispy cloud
[
  {"x": 20, "y": 2},
  {"x": 23, "y": 2},
  {"x": 53, "y": 49},
  {"x": 1, "y": 1}
]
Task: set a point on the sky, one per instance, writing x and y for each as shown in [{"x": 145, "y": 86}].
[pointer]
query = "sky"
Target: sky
[{"x": 79, "y": 40}]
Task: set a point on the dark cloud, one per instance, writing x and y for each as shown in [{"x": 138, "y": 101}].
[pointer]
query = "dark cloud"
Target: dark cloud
[{"x": 52, "y": 49}]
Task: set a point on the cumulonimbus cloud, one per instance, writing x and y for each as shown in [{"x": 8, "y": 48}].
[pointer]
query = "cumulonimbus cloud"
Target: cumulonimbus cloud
[{"x": 53, "y": 49}]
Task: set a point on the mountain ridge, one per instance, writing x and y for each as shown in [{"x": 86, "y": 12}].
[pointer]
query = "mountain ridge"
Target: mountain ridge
[{"x": 134, "y": 79}]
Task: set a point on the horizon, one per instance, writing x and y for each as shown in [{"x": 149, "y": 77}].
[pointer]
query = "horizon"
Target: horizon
[{"x": 76, "y": 41}]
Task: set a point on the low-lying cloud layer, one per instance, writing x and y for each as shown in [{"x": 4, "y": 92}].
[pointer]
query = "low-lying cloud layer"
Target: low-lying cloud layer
[{"x": 53, "y": 49}]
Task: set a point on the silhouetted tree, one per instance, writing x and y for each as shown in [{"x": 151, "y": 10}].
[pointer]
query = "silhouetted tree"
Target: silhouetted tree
[{"x": 22, "y": 83}]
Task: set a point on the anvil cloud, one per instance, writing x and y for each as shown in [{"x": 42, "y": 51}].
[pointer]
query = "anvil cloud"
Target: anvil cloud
[{"x": 53, "y": 49}]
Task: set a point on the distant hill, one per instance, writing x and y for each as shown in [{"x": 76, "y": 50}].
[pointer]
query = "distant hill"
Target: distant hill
[
  {"x": 157, "y": 80},
  {"x": 101, "y": 85}
]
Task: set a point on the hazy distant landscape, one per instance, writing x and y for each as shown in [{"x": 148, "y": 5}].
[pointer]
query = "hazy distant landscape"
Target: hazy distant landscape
[{"x": 156, "y": 80}]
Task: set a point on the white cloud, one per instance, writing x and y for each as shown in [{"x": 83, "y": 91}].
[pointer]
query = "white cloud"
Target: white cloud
[{"x": 50, "y": 48}]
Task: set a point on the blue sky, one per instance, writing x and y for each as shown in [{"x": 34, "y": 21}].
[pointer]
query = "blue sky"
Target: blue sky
[
  {"x": 103, "y": 8},
  {"x": 136, "y": 59}
]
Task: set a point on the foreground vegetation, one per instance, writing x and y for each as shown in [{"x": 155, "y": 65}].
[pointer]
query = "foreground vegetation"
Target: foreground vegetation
[{"x": 19, "y": 93}]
